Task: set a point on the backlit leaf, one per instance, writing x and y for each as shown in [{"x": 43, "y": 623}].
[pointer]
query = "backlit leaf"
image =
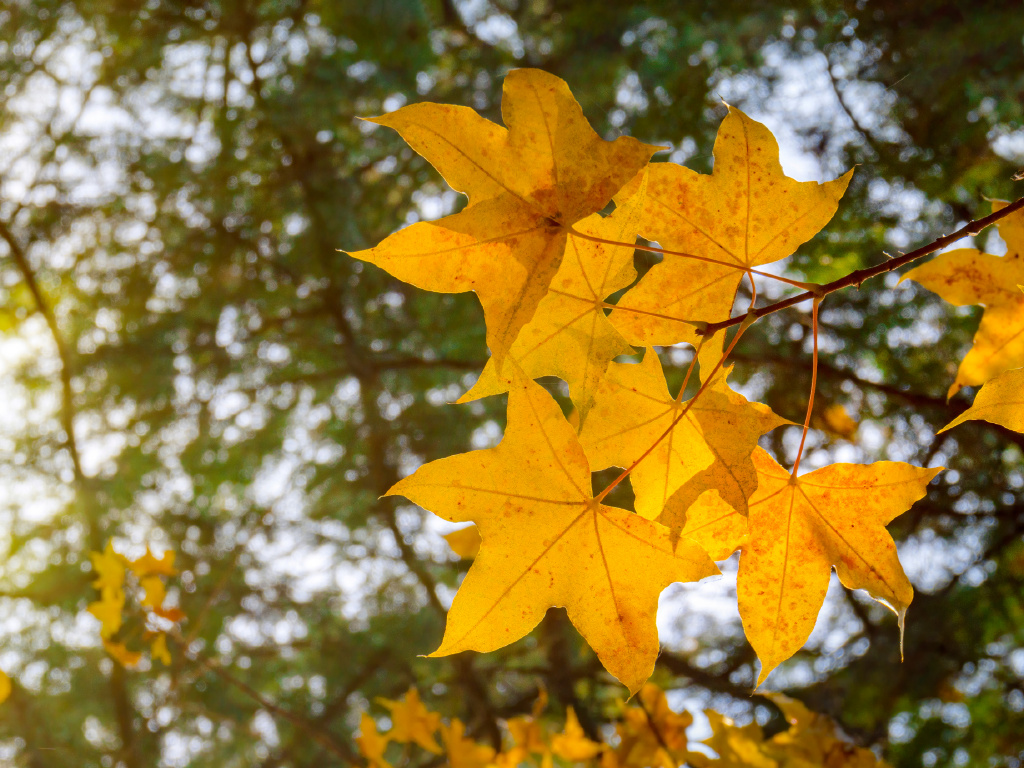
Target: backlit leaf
[
  {"x": 967, "y": 276},
  {"x": 547, "y": 542}
]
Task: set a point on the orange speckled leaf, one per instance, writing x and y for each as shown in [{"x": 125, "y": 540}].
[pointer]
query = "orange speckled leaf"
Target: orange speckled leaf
[
  {"x": 1000, "y": 401},
  {"x": 546, "y": 542},
  {"x": 966, "y": 276},
  {"x": 800, "y": 528},
  {"x": 526, "y": 185},
  {"x": 746, "y": 213}
]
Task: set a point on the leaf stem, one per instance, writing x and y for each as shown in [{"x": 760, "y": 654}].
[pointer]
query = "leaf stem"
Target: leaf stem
[
  {"x": 859, "y": 276},
  {"x": 695, "y": 257},
  {"x": 814, "y": 386},
  {"x": 689, "y": 370}
]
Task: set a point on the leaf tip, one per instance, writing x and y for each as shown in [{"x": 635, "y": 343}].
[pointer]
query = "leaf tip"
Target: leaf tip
[{"x": 901, "y": 616}]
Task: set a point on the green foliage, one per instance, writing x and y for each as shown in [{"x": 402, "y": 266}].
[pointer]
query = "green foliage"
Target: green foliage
[{"x": 243, "y": 393}]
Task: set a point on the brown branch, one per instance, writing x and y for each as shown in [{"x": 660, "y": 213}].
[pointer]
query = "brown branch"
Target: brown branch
[
  {"x": 43, "y": 307},
  {"x": 320, "y": 736},
  {"x": 859, "y": 276},
  {"x": 124, "y": 714},
  {"x": 841, "y": 99}
]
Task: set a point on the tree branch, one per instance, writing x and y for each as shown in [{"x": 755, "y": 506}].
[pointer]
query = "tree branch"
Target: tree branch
[
  {"x": 43, "y": 307},
  {"x": 859, "y": 276}
]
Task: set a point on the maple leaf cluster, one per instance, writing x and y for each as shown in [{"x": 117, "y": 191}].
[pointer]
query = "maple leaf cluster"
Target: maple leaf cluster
[
  {"x": 543, "y": 259},
  {"x": 149, "y": 573},
  {"x": 648, "y": 734}
]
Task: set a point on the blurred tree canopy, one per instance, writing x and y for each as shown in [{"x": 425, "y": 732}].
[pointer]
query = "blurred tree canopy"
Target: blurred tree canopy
[{"x": 190, "y": 363}]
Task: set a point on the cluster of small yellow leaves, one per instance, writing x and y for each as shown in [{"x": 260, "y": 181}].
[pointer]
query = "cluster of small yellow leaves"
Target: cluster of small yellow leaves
[
  {"x": 149, "y": 572},
  {"x": 544, "y": 262},
  {"x": 811, "y": 741},
  {"x": 648, "y": 733}
]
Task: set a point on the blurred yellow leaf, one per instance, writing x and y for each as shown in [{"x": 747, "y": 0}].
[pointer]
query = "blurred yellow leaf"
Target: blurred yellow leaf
[
  {"x": 155, "y": 591},
  {"x": 121, "y": 654},
  {"x": 463, "y": 752},
  {"x": 737, "y": 747},
  {"x": 572, "y": 744},
  {"x": 158, "y": 649},
  {"x": 371, "y": 743},
  {"x": 412, "y": 722},
  {"x": 837, "y": 420},
  {"x": 651, "y": 734},
  {"x": 110, "y": 569},
  {"x": 147, "y": 565},
  {"x": 108, "y": 610}
]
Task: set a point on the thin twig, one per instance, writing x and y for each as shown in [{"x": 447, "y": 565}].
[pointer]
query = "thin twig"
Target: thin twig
[
  {"x": 814, "y": 386},
  {"x": 859, "y": 276},
  {"x": 320, "y": 736}
]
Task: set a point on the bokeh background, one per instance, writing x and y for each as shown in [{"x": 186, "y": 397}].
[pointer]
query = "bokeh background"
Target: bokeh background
[{"x": 187, "y": 361}]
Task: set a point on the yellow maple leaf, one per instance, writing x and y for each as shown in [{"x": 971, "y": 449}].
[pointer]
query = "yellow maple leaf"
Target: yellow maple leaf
[
  {"x": 527, "y": 186},
  {"x": 148, "y": 565},
  {"x": 412, "y": 722},
  {"x": 110, "y": 569},
  {"x": 155, "y": 591},
  {"x": 1000, "y": 401},
  {"x": 5, "y": 686},
  {"x": 158, "y": 649},
  {"x": 464, "y": 542},
  {"x": 121, "y": 654},
  {"x": 108, "y": 610},
  {"x": 462, "y": 752},
  {"x": 371, "y": 743},
  {"x": 967, "y": 276},
  {"x": 547, "y": 542},
  {"x": 572, "y": 744},
  {"x": 746, "y": 213},
  {"x": 710, "y": 445},
  {"x": 570, "y": 336},
  {"x": 799, "y": 528}
]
